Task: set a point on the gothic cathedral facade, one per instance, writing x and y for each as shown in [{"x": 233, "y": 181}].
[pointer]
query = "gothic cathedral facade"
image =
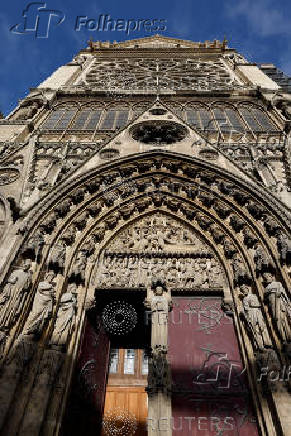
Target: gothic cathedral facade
[{"x": 146, "y": 247}]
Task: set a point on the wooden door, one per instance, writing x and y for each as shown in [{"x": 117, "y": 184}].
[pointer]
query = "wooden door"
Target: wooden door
[
  {"x": 210, "y": 390},
  {"x": 86, "y": 402},
  {"x": 126, "y": 408}
]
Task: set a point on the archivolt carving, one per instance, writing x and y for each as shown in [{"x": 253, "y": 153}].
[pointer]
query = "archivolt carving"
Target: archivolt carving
[{"x": 227, "y": 217}]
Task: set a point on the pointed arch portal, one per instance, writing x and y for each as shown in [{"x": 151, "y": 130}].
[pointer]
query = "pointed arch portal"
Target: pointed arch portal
[{"x": 154, "y": 259}]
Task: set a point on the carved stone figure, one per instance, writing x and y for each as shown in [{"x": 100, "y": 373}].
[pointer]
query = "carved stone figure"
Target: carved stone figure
[
  {"x": 33, "y": 247},
  {"x": 66, "y": 313},
  {"x": 254, "y": 319},
  {"x": 250, "y": 238},
  {"x": 261, "y": 259},
  {"x": 229, "y": 248},
  {"x": 159, "y": 376},
  {"x": 12, "y": 295},
  {"x": 58, "y": 256},
  {"x": 284, "y": 248},
  {"x": 240, "y": 271},
  {"x": 279, "y": 305},
  {"x": 2, "y": 343},
  {"x": 159, "y": 304},
  {"x": 79, "y": 267},
  {"x": 42, "y": 307}
]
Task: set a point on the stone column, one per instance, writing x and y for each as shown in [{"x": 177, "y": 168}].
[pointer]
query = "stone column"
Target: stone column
[{"x": 159, "y": 382}]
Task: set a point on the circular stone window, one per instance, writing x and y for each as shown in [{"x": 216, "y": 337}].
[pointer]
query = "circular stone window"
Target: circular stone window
[{"x": 159, "y": 132}]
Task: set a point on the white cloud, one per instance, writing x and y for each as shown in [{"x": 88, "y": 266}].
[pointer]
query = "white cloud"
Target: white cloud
[{"x": 264, "y": 18}]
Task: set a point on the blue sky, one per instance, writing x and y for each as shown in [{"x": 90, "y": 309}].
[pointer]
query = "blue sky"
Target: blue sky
[{"x": 260, "y": 29}]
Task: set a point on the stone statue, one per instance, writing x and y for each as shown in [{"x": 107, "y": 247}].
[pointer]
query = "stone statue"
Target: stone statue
[
  {"x": 79, "y": 267},
  {"x": 2, "y": 343},
  {"x": 159, "y": 304},
  {"x": 65, "y": 316},
  {"x": 11, "y": 297},
  {"x": 58, "y": 256},
  {"x": 279, "y": 305},
  {"x": 159, "y": 376},
  {"x": 240, "y": 272},
  {"x": 42, "y": 306},
  {"x": 261, "y": 259},
  {"x": 254, "y": 319},
  {"x": 284, "y": 248}
]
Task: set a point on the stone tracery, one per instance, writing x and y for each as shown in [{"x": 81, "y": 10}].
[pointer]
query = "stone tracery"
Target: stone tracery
[{"x": 193, "y": 226}]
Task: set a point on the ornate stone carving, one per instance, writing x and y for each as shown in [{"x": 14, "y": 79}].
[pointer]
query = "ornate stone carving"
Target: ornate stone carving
[
  {"x": 175, "y": 74},
  {"x": 159, "y": 373},
  {"x": 8, "y": 175},
  {"x": 271, "y": 225},
  {"x": 261, "y": 259},
  {"x": 78, "y": 195},
  {"x": 279, "y": 305},
  {"x": 13, "y": 294},
  {"x": 158, "y": 246},
  {"x": 65, "y": 317},
  {"x": 32, "y": 249},
  {"x": 237, "y": 223},
  {"x": 284, "y": 248},
  {"x": 81, "y": 221},
  {"x": 165, "y": 132},
  {"x": 229, "y": 248},
  {"x": 48, "y": 224},
  {"x": 26, "y": 111},
  {"x": 250, "y": 238},
  {"x": 63, "y": 208},
  {"x": 240, "y": 272},
  {"x": 69, "y": 235},
  {"x": 79, "y": 267},
  {"x": 255, "y": 209},
  {"x": 42, "y": 307},
  {"x": 254, "y": 320},
  {"x": 57, "y": 256},
  {"x": 217, "y": 234}
]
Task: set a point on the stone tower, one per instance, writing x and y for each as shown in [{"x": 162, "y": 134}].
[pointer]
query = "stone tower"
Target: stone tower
[{"x": 145, "y": 246}]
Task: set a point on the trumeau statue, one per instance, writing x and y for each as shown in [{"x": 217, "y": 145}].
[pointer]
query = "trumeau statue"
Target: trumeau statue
[
  {"x": 279, "y": 305},
  {"x": 11, "y": 297},
  {"x": 42, "y": 306},
  {"x": 159, "y": 303},
  {"x": 65, "y": 316},
  {"x": 254, "y": 319}
]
